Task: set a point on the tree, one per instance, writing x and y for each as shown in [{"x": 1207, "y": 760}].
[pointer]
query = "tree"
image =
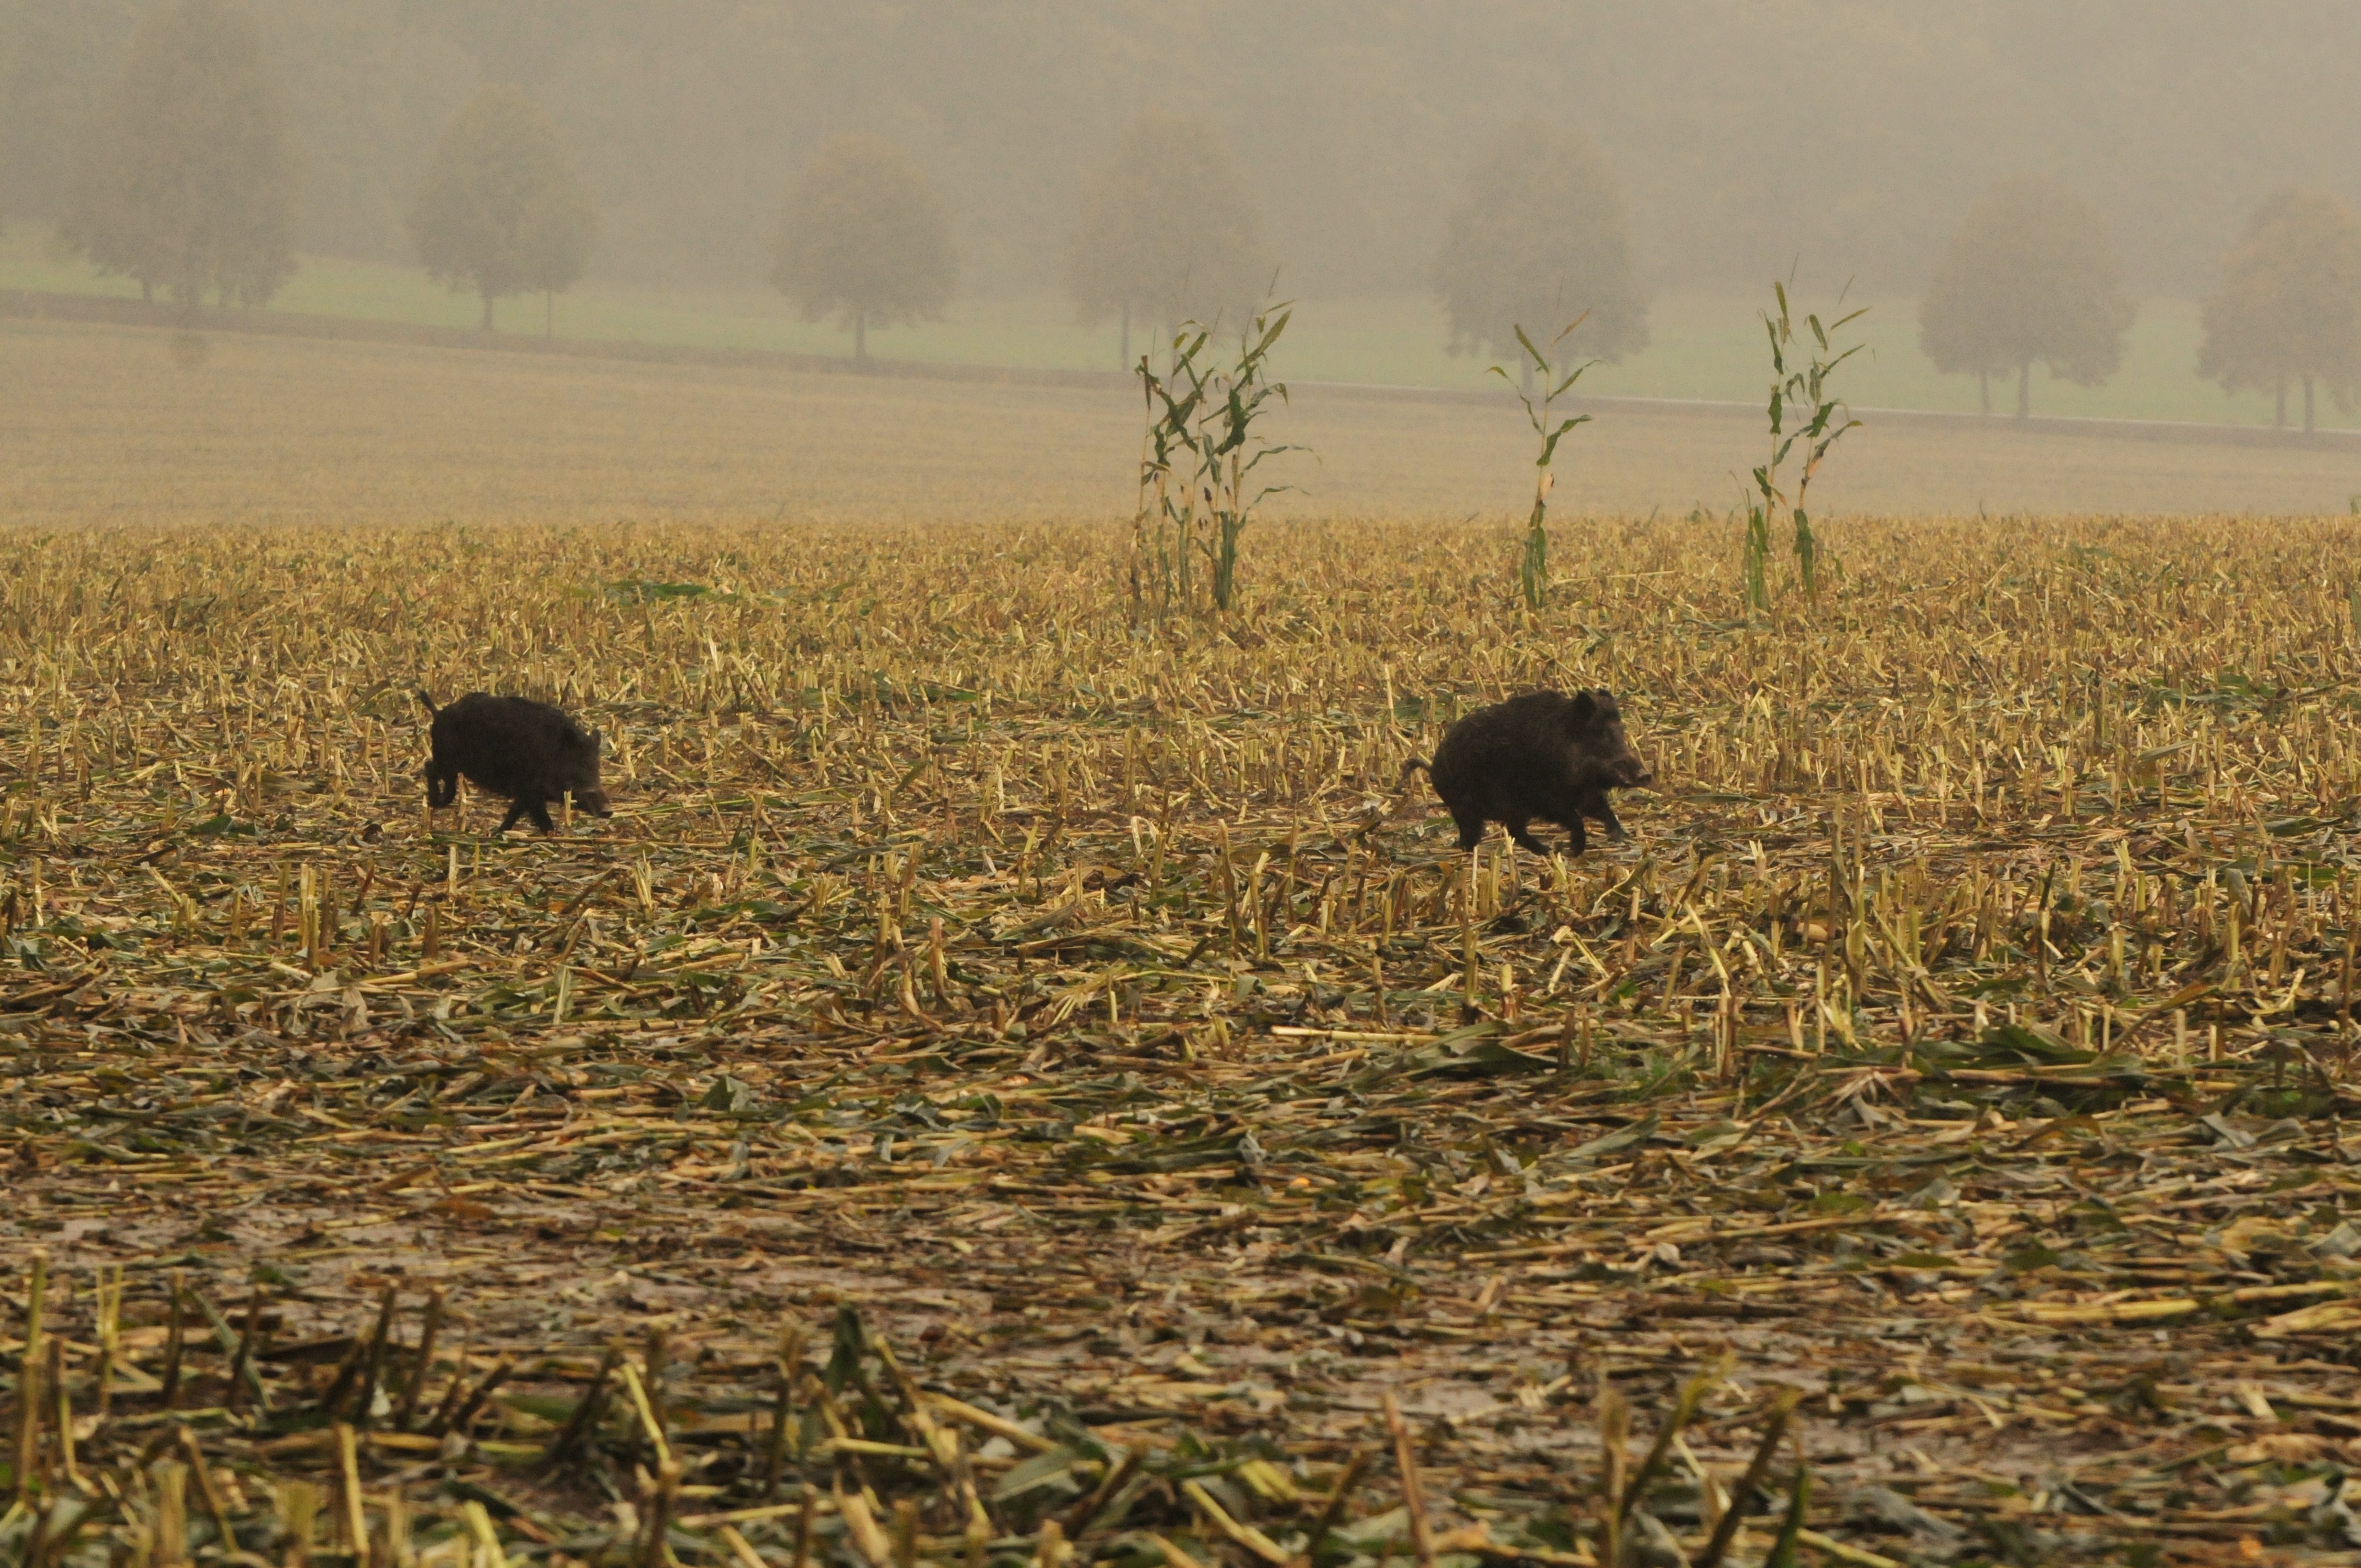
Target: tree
[
  {"x": 501, "y": 211},
  {"x": 1538, "y": 237},
  {"x": 2289, "y": 304},
  {"x": 183, "y": 178},
  {"x": 1166, "y": 231},
  {"x": 2030, "y": 275},
  {"x": 866, "y": 240}
]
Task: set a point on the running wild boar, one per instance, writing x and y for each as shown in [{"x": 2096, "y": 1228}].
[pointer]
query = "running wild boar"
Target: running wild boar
[
  {"x": 527, "y": 752},
  {"x": 1543, "y": 755}
]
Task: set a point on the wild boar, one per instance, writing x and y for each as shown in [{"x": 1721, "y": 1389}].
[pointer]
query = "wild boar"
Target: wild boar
[
  {"x": 527, "y": 752},
  {"x": 1542, "y": 755}
]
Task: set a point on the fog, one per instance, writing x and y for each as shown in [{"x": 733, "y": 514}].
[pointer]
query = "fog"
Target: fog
[{"x": 1848, "y": 134}]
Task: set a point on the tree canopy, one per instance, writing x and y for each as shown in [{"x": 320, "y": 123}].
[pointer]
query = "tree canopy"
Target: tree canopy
[
  {"x": 501, "y": 211},
  {"x": 183, "y": 178},
  {"x": 2030, "y": 275},
  {"x": 2289, "y": 306},
  {"x": 1538, "y": 237},
  {"x": 865, "y": 239},
  {"x": 1166, "y": 231}
]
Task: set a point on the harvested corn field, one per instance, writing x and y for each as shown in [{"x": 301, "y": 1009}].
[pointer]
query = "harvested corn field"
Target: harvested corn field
[{"x": 1014, "y": 1081}]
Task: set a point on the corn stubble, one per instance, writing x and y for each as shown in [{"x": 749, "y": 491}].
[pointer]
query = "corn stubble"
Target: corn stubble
[{"x": 1012, "y": 1083}]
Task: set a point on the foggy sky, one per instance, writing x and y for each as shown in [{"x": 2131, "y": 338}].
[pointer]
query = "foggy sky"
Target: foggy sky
[{"x": 1748, "y": 133}]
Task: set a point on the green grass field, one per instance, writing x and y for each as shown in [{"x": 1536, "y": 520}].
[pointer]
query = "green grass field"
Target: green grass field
[{"x": 1706, "y": 345}]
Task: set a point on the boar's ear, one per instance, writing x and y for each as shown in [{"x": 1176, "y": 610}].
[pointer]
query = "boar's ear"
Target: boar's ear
[{"x": 1580, "y": 711}]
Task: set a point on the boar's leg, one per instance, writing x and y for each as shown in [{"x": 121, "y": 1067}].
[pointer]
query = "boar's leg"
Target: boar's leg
[
  {"x": 442, "y": 786},
  {"x": 1519, "y": 834},
  {"x": 515, "y": 812},
  {"x": 1575, "y": 840},
  {"x": 1594, "y": 804},
  {"x": 1471, "y": 827},
  {"x": 1567, "y": 813},
  {"x": 539, "y": 811}
]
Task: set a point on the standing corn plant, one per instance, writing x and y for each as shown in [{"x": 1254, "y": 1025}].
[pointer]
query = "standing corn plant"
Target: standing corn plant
[
  {"x": 1532, "y": 564},
  {"x": 1198, "y": 460},
  {"x": 1794, "y": 390},
  {"x": 1160, "y": 527}
]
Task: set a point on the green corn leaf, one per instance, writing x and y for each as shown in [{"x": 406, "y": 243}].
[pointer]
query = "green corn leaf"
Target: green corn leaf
[
  {"x": 1571, "y": 378},
  {"x": 1549, "y": 446},
  {"x": 1529, "y": 349}
]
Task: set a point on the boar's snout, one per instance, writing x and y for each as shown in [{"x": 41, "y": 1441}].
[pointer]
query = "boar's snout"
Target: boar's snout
[
  {"x": 593, "y": 801},
  {"x": 1632, "y": 772}
]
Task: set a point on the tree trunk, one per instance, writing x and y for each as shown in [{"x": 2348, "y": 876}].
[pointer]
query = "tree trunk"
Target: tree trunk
[
  {"x": 1127, "y": 337},
  {"x": 2307, "y": 405},
  {"x": 2024, "y": 389},
  {"x": 2278, "y": 414},
  {"x": 861, "y": 335},
  {"x": 548, "y": 312},
  {"x": 146, "y": 290},
  {"x": 1983, "y": 390},
  {"x": 488, "y": 310}
]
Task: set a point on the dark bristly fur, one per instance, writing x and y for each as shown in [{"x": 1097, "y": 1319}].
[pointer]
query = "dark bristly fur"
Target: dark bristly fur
[
  {"x": 1542, "y": 755},
  {"x": 527, "y": 752}
]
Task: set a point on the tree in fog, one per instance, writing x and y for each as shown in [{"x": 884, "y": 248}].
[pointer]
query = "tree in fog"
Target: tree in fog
[
  {"x": 2031, "y": 275},
  {"x": 865, "y": 239},
  {"x": 1166, "y": 232},
  {"x": 183, "y": 179},
  {"x": 501, "y": 211},
  {"x": 1538, "y": 237},
  {"x": 2289, "y": 307}
]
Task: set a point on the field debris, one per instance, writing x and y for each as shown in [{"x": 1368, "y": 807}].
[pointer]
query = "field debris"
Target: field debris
[{"x": 1016, "y": 1084}]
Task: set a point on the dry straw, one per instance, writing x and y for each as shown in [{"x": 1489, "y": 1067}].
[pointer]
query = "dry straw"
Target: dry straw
[{"x": 1087, "y": 1009}]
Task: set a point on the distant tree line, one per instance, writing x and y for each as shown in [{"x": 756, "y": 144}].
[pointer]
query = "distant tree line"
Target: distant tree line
[
  {"x": 185, "y": 181},
  {"x": 1166, "y": 232},
  {"x": 2289, "y": 307},
  {"x": 686, "y": 119},
  {"x": 500, "y": 210},
  {"x": 2032, "y": 276}
]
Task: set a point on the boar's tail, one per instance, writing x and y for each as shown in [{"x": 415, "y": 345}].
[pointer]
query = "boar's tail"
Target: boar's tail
[
  {"x": 430, "y": 708},
  {"x": 1415, "y": 764}
]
